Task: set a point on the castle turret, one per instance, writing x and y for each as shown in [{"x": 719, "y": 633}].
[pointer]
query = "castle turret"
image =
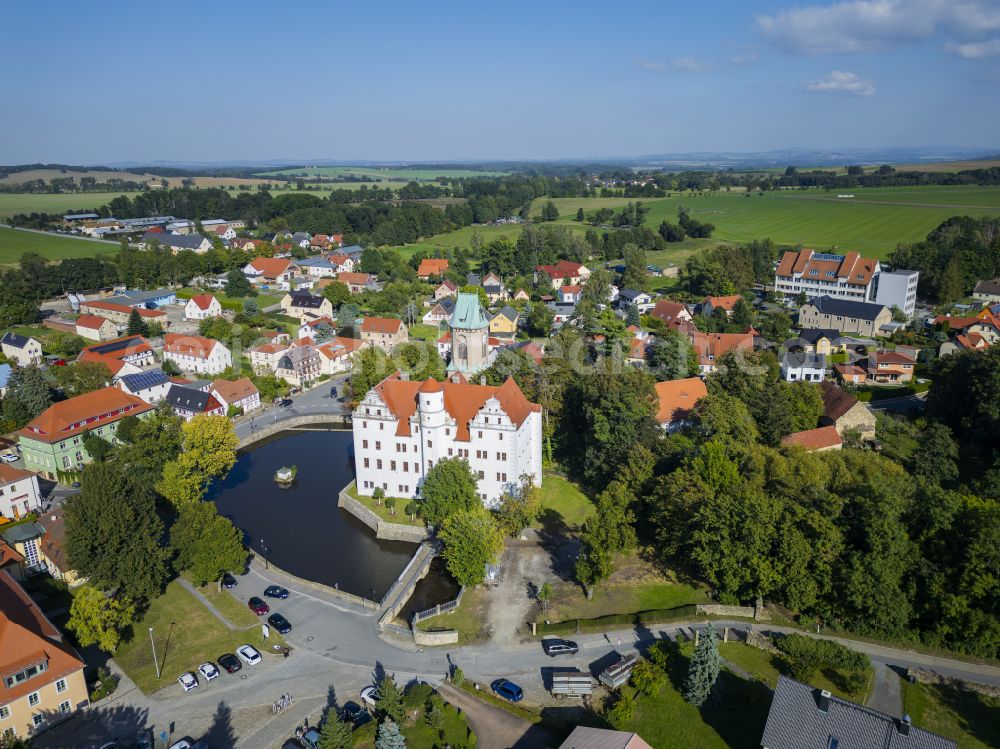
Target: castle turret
[{"x": 470, "y": 330}]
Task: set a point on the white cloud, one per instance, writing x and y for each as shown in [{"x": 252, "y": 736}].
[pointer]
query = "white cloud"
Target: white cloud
[
  {"x": 861, "y": 25},
  {"x": 840, "y": 82},
  {"x": 978, "y": 50},
  {"x": 652, "y": 65},
  {"x": 691, "y": 65}
]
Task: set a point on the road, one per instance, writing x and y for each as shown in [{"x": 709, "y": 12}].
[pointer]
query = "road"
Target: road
[{"x": 316, "y": 400}]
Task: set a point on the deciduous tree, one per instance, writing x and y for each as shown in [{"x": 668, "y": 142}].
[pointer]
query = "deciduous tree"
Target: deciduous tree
[
  {"x": 472, "y": 540},
  {"x": 449, "y": 487},
  {"x": 207, "y": 543},
  {"x": 97, "y": 619}
]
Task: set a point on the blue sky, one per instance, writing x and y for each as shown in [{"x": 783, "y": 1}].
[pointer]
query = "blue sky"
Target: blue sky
[{"x": 208, "y": 81}]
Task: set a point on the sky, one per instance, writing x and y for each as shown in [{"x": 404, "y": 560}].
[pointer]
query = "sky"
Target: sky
[{"x": 91, "y": 83}]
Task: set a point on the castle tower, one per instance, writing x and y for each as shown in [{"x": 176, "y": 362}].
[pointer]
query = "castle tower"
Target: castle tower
[{"x": 470, "y": 333}]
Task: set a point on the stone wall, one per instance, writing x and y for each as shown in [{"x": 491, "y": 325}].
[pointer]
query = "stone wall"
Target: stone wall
[
  {"x": 358, "y": 510},
  {"x": 386, "y": 531},
  {"x": 282, "y": 425},
  {"x": 336, "y": 592},
  {"x": 440, "y": 637},
  {"x": 747, "y": 612}
]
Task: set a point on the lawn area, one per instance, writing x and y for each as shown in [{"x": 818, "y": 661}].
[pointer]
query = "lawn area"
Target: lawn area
[
  {"x": 568, "y": 207},
  {"x": 382, "y": 511},
  {"x": 429, "y": 333},
  {"x": 469, "y": 619},
  {"x": 563, "y": 498},
  {"x": 235, "y": 610},
  {"x": 455, "y": 731},
  {"x": 13, "y": 203},
  {"x": 970, "y": 719},
  {"x": 16, "y": 242},
  {"x": 766, "y": 667},
  {"x": 186, "y": 635}
]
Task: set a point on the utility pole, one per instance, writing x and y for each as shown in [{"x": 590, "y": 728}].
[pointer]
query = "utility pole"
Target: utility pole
[{"x": 153, "y": 646}]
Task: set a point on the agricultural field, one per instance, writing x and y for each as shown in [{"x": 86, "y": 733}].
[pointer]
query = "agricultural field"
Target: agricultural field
[
  {"x": 377, "y": 173},
  {"x": 18, "y": 178},
  {"x": 14, "y": 203},
  {"x": 15, "y": 242},
  {"x": 949, "y": 166}
]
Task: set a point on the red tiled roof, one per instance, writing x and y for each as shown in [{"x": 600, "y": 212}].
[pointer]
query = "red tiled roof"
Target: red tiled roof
[
  {"x": 668, "y": 311},
  {"x": 836, "y": 400},
  {"x": 203, "y": 301},
  {"x": 357, "y": 279},
  {"x": 677, "y": 398},
  {"x": 234, "y": 390},
  {"x": 813, "y": 439},
  {"x": 91, "y": 410},
  {"x": 726, "y": 302},
  {"x": 270, "y": 267},
  {"x": 91, "y": 322},
  {"x": 189, "y": 345},
  {"x": 381, "y": 325},
  {"x": 9, "y": 474},
  {"x": 711, "y": 346},
  {"x": 432, "y": 267},
  {"x": 114, "y": 307},
  {"x": 850, "y": 268}
]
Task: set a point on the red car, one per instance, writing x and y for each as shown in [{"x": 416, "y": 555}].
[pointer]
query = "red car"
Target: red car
[{"x": 258, "y": 606}]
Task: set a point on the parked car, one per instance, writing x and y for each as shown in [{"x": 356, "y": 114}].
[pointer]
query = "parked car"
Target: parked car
[
  {"x": 508, "y": 690},
  {"x": 276, "y": 591},
  {"x": 228, "y": 581},
  {"x": 258, "y": 606},
  {"x": 9, "y": 458},
  {"x": 188, "y": 681},
  {"x": 333, "y": 392},
  {"x": 280, "y": 623},
  {"x": 248, "y": 654},
  {"x": 144, "y": 739},
  {"x": 310, "y": 739},
  {"x": 230, "y": 662},
  {"x": 356, "y": 714},
  {"x": 555, "y": 646},
  {"x": 208, "y": 670},
  {"x": 370, "y": 697}
]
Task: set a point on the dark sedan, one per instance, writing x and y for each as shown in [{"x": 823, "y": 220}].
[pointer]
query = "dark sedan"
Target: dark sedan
[
  {"x": 228, "y": 581},
  {"x": 354, "y": 714},
  {"x": 280, "y": 623},
  {"x": 258, "y": 606},
  {"x": 276, "y": 591},
  {"x": 554, "y": 647},
  {"x": 229, "y": 662}
]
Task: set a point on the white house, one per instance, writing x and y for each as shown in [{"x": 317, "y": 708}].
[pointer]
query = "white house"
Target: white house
[
  {"x": 569, "y": 294},
  {"x": 151, "y": 386},
  {"x": 196, "y": 354},
  {"x": 403, "y": 428},
  {"x": 95, "y": 328},
  {"x": 241, "y": 394},
  {"x": 336, "y": 355},
  {"x": 19, "y": 493},
  {"x": 202, "y": 306},
  {"x": 21, "y": 349},
  {"x": 803, "y": 367}
]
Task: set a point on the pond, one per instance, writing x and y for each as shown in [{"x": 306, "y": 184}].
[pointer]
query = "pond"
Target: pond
[{"x": 305, "y": 532}]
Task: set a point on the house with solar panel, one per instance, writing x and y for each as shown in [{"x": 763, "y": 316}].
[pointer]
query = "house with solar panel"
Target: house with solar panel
[{"x": 151, "y": 386}]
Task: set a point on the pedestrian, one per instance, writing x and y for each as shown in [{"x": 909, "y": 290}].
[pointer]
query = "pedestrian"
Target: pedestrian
[{"x": 619, "y": 641}]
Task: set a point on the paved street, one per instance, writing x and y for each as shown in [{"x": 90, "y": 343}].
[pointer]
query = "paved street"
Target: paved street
[{"x": 316, "y": 400}]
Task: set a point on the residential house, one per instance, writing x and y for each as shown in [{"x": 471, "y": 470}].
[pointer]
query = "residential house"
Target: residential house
[
  {"x": 845, "y": 412},
  {"x": 805, "y": 717},
  {"x": 676, "y": 399},
  {"x": 851, "y": 374},
  {"x": 265, "y": 357},
  {"x": 188, "y": 402},
  {"x": 19, "y": 493},
  {"x": 301, "y": 239},
  {"x": 151, "y": 386},
  {"x": 671, "y": 313},
  {"x": 299, "y": 366},
  {"x": 814, "y": 440},
  {"x": 403, "y": 428},
  {"x": 440, "y": 312},
  {"x": 796, "y": 367},
  {"x": 850, "y": 277},
  {"x": 710, "y": 304},
  {"x": 445, "y": 289},
  {"x": 21, "y": 349},
  {"x": 356, "y": 282},
  {"x": 897, "y": 289},
  {"x": 603, "y": 738},
  {"x": 317, "y": 267},
  {"x": 342, "y": 263},
  {"x": 961, "y": 343},
  {"x": 196, "y": 354},
  {"x": 176, "y": 242},
  {"x": 821, "y": 341},
  {"x": 52, "y": 442},
  {"x": 201, "y": 307},
  {"x": 95, "y": 328},
  {"x": 565, "y": 272},
  {"x": 270, "y": 271},
  {"x": 119, "y": 314},
  {"x": 529, "y": 348},
  {"x": 315, "y": 328},
  {"x": 239, "y": 394},
  {"x": 504, "y": 323},
  {"x": 43, "y": 681},
  {"x": 987, "y": 291},
  {"x": 51, "y": 548},
  {"x": 984, "y": 323},
  {"x": 845, "y": 316},
  {"x": 224, "y": 232},
  {"x": 432, "y": 267},
  {"x": 641, "y": 299},
  {"x": 306, "y": 306},
  {"x": 383, "y": 332},
  {"x": 320, "y": 242},
  {"x": 496, "y": 292},
  {"x": 521, "y": 296},
  {"x": 890, "y": 367},
  {"x": 569, "y": 294},
  {"x": 710, "y": 347},
  {"x": 122, "y": 356},
  {"x": 247, "y": 244},
  {"x": 336, "y": 355}
]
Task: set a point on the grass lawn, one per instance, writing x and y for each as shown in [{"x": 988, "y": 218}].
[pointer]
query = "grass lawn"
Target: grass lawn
[
  {"x": 236, "y": 611},
  {"x": 455, "y": 731},
  {"x": 766, "y": 667},
  {"x": 970, "y": 719},
  {"x": 469, "y": 619},
  {"x": 15, "y": 242},
  {"x": 186, "y": 635},
  {"x": 429, "y": 333},
  {"x": 14, "y": 203},
  {"x": 563, "y": 498},
  {"x": 382, "y": 511}
]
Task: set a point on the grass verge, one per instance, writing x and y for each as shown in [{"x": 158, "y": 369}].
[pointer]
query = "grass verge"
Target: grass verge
[
  {"x": 400, "y": 517},
  {"x": 971, "y": 719},
  {"x": 565, "y": 501},
  {"x": 469, "y": 619}
]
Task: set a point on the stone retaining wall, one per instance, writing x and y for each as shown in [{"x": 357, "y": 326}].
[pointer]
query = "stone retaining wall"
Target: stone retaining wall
[
  {"x": 746, "y": 612},
  {"x": 336, "y": 592},
  {"x": 441, "y": 637},
  {"x": 386, "y": 531},
  {"x": 283, "y": 425}
]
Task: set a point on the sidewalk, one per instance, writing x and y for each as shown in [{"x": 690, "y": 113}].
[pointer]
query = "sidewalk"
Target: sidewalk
[{"x": 206, "y": 603}]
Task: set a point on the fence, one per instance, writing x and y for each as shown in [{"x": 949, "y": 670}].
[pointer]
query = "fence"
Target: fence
[{"x": 441, "y": 608}]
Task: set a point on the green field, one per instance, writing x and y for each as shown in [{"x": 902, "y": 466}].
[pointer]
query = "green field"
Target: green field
[
  {"x": 420, "y": 175},
  {"x": 14, "y": 203},
  {"x": 971, "y": 719},
  {"x": 15, "y": 242},
  {"x": 322, "y": 190}
]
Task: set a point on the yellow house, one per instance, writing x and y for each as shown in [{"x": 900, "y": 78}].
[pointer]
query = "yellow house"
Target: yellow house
[
  {"x": 504, "y": 323},
  {"x": 306, "y": 306}
]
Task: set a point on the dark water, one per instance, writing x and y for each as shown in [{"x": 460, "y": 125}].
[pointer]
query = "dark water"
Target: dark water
[{"x": 305, "y": 532}]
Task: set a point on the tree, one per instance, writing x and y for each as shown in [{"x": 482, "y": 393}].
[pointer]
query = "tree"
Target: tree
[
  {"x": 207, "y": 543},
  {"x": 632, "y": 315},
  {"x": 672, "y": 357},
  {"x": 97, "y": 447},
  {"x": 136, "y": 325},
  {"x": 540, "y": 320},
  {"x": 82, "y": 377},
  {"x": 209, "y": 451},
  {"x": 579, "y": 214},
  {"x": 743, "y": 314},
  {"x": 28, "y": 395},
  {"x": 472, "y": 540},
  {"x": 544, "y": 597},
  {"x": 412, "y": 508},
  {"x": 449, "y": 487},
  {"x": 237, "y": 285},
  {"x": 434, "y": 714},
  {"x": 390, "y": 700},
  {"x": 550, "y": 212},
  {"x": 378, "y": 495},
  {"x": 113, "y": 533},
  {"x": 622, "y": 711},
  {"x": 250, "y": 308},
  {"x": 635, "y": 276},
  {"x": 390, "y": 505},
  {"x": 389, "y": 736},
  {"x": 936, "y": 456},
  {"x": 703, "y": 670},
  {"x": 337, "y": 292},
  {"x": 519, "y": 508},
  {"x": 335, "y": 732},
  {"x": 647, "y": 678},
  {"x": 593, "y": 565},
  {"x": 96, "y": 619}
]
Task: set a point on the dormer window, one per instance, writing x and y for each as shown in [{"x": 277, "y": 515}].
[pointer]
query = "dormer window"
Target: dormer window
[{"x": 25, "y": 674}]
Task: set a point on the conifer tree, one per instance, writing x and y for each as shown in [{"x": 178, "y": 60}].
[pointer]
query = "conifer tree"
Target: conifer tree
[
  {"x": 335, "y": 733},
  {"x": 390, "y": 700},
  {"x": 703, "y": 671},
  {"x": 389, "y": 736},
  {"x": 136, "y": 326}
]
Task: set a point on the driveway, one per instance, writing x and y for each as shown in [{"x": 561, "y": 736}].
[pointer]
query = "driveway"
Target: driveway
[{"x": 496, "y": 728}]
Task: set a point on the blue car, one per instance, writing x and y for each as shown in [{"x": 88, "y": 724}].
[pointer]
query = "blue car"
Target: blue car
[
  {"x": 276, "y": 591},
  {"x": 508, "y": 690}
]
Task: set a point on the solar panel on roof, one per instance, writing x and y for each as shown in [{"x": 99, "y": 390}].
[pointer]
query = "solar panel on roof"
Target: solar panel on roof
[
  {"x": 143, "y": 380},
  {"x": 827, "y": 256},
  {"x": 108, "y": 348}
]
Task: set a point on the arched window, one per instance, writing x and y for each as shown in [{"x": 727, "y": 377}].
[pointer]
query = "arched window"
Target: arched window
[{"x": 463, "y": 351}]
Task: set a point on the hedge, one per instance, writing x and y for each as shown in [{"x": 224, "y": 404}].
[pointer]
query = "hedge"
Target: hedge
[
  {"x": 822, "y": 652},
  {"x": 615, "y": 621}
]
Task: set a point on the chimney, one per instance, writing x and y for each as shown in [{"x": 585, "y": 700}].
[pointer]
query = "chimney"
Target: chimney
[
  {"x": 903, "y": 725},
  {"x": 404, "y": 376},
  {"x": 823, "y": 701}
]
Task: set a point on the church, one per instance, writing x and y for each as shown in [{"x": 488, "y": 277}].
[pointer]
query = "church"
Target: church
[{"x": 469, "y": 334}]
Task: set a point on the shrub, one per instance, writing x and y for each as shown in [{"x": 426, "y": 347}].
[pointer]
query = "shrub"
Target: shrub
[
  {"x": 621, "y": 713},
  {"x": 822, "y": 653},
  {"x": 457, "y": 676}
]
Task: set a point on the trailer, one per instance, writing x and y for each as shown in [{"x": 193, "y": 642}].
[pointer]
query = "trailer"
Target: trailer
[
  {"x": 572, "y": 684},
  {"x": 618, "y": 673}
]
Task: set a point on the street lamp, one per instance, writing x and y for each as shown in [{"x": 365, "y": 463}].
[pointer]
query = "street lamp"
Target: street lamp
[
  {"x": 264, "y": 550},
  {"x": 153, "y": 646}
]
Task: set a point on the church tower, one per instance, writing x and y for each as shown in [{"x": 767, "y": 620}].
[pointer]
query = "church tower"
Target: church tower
[{"x": 470, "y": 334}]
